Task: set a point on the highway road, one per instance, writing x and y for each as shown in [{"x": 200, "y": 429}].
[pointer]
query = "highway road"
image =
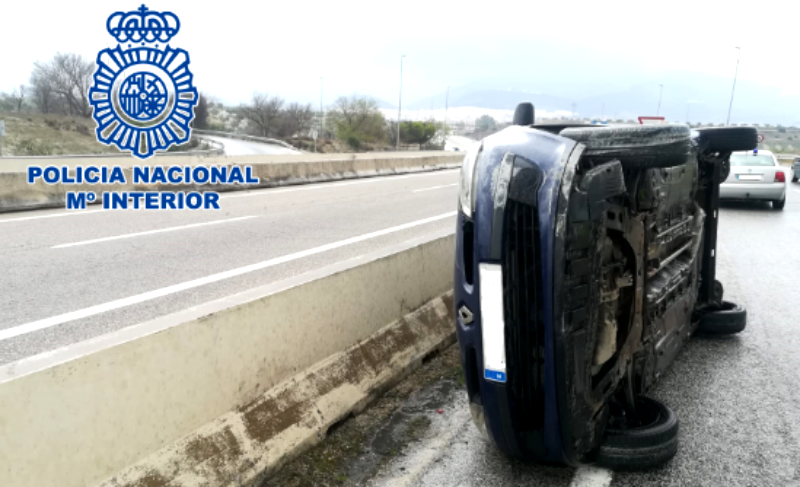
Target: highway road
[
  {"x": 736, "y": 397},
  {"x": 68, "y": 276},
  {"x": 236, "y": 147}
]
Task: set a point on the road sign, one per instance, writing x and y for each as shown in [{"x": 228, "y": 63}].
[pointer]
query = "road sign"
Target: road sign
[
  {"x": 2, "y": 128},
  {"x": 761, "y": 137},
  {"x": 652, "y": 120},
  {"x": 314, "y": 134}
]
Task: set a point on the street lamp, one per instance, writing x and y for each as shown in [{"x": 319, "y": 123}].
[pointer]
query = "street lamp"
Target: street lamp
[
  {"x": 399, "y": 103},
  {"x": 446, "y": 100},
  {"x": 658, "y": 110},
  {"x": 736, "y": 73},
  {"x": 321, "y": 115}
]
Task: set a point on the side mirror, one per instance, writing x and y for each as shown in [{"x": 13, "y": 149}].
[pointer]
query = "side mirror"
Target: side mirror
[{"x": 523, "y": 115}]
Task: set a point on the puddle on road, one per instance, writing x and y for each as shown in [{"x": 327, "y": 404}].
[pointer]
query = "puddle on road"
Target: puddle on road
[{"x": 356, "y": 450}]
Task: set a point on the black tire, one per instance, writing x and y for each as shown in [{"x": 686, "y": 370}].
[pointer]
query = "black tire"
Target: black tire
[
  {"x": 728, "y": 139},
  {"x": 728, "y": 319},
  {"x": 648, "y": 446},
  {"x": 794, "y": 179},
  {"x": 778, "y": 205},
  {"x": 649, "y": 146}
]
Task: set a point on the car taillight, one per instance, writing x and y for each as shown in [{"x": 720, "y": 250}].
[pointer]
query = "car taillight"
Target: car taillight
[{"x": 780, "y": 177}]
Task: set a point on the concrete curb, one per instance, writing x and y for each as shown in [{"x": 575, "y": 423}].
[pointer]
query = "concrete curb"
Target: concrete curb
[
  {"x": 245, "y": 446},
  {"x": 227, "y": 390},
  {"x": 16, "y": 194}
]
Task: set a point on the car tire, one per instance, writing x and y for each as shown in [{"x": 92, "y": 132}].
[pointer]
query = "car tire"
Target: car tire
[
  {"x": 650, "y": 146},
  {"x": 643, "y": 447},
  {"x": 728, "y": 319},
  {"x": 779, "y": 204},
  {"x": 794, "y": 179},
  {"x": 728, "y": 139}
]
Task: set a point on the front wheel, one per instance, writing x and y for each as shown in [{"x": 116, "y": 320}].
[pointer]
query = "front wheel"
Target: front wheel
[
  {"x": 794, "y": 179},
  {"x": 648, "y": 440}
]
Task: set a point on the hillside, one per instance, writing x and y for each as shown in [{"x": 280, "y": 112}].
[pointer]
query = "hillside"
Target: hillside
[{"x": 33, "y": 134}]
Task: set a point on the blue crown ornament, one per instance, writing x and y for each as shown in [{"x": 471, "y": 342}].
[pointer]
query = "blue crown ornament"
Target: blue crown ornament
[{"x": 142, "y": 90}]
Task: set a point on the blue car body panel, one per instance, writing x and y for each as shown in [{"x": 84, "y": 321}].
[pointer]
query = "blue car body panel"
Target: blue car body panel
[{"x": 550, "y": 155}]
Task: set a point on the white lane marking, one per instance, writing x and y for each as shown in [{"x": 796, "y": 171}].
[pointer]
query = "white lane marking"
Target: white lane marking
[
  {"x": 591, "y": 477},
  {"x": 71, "y": 213},
  {"x": 158, "y": 293},
  {"x": 151, "y": 232},
  {"x": 309, "y": 187},
  {"x": 435, "y": 187}
]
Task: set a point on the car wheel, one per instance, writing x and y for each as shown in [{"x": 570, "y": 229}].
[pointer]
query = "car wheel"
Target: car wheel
[
  {"x": 728, "y": 139},
  {"x": 650, "y": 146},
  {"x": 778, "y": 205},
  {"x": 728, "y": 319},
  {"x": 794, "y": 179},
  {"x": 648, "y": 442}
]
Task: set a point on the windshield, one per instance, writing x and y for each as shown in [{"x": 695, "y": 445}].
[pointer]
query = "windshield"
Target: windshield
[{"x": 751, "y": 160}]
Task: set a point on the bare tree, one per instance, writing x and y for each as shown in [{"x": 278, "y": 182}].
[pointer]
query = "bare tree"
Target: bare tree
[
  {"x": 17, "y": 97},
  {"x": 67, "y": 77},
  {"x": 296, "y": 119},
  {"x": 263, "y": 112}
]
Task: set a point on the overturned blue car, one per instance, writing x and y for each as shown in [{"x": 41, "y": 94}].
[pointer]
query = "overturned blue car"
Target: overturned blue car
[{"x": 585, "y": 259}]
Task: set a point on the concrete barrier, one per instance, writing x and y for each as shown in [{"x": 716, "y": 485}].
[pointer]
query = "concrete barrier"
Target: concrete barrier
[
  {"x": 278, "y": 170},
  {"x": 220, "y": 394}
]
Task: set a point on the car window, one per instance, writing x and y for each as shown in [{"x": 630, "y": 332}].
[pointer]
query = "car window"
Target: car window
[{"x": 752, "y": 160}]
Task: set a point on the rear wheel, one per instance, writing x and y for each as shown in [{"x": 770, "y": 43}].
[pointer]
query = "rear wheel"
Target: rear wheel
[
  {"x": 779, "y": 204},
  {"x": 650, "y": 146},
  {"x": 647, "y": 440}
]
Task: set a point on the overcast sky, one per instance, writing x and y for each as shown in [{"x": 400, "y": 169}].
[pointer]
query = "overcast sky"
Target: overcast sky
[{"x": 284, "y": 47}]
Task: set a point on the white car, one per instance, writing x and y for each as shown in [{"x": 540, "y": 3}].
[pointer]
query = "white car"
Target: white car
[{"x": 755, "y": 175}]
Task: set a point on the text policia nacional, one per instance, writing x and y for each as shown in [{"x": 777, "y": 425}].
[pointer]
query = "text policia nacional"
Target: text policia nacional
[{"x": 143, "y": 200}]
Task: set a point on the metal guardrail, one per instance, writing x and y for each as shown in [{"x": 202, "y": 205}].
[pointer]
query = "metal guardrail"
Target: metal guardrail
[{"x": 231, "y": 135}]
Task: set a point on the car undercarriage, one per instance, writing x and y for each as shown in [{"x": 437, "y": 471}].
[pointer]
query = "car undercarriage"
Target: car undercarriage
[{"x": 633, "y": 255}]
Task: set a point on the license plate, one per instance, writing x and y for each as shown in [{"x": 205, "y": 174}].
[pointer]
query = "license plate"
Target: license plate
[
  {"x": 492, "y": 322},
  {"x": 749, "y": 177}
]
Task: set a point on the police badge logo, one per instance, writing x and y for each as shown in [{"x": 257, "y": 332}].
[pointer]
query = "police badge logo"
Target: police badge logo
[{"x": 142, "y": 92}]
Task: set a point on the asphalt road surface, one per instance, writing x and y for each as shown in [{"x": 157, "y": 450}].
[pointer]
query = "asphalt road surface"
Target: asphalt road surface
[
  {"x": 236, "y": 147},
  {"x": 736, "y": 397},
  {"x": 69, "y": 276}
]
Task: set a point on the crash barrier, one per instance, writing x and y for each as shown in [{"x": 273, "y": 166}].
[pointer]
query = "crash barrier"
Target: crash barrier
[
  {"x": 263, "y": 140},
  {"x": 272, "y": 170},
  {"x": 222, "y": 393}
]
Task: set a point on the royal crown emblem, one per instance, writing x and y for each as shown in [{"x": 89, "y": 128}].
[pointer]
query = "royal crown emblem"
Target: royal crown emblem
[{"x": 142, "y": 92}]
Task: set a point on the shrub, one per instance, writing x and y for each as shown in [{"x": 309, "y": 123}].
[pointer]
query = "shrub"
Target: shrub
[
  {"x": 34, "y": 147},
  {"x": 353, "y": 142}
]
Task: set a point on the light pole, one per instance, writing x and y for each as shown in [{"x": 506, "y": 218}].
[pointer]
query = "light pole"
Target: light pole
[
  {"x": 658, "y": 110},
  {"x": 399, "y": 103},
  {"x": 736, "y": 73},
  {"x": 446, "y": 100},
  {"x": 321, "y": 115}
]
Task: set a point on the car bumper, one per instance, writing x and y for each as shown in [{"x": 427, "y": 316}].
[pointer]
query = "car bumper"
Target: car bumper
[
  {"x": 511, "y": 364},
  {"x": 764, "y": 192}
]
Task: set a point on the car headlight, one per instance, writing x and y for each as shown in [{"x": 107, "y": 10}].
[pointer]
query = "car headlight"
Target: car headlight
[{"x": 469, "y": 180}]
